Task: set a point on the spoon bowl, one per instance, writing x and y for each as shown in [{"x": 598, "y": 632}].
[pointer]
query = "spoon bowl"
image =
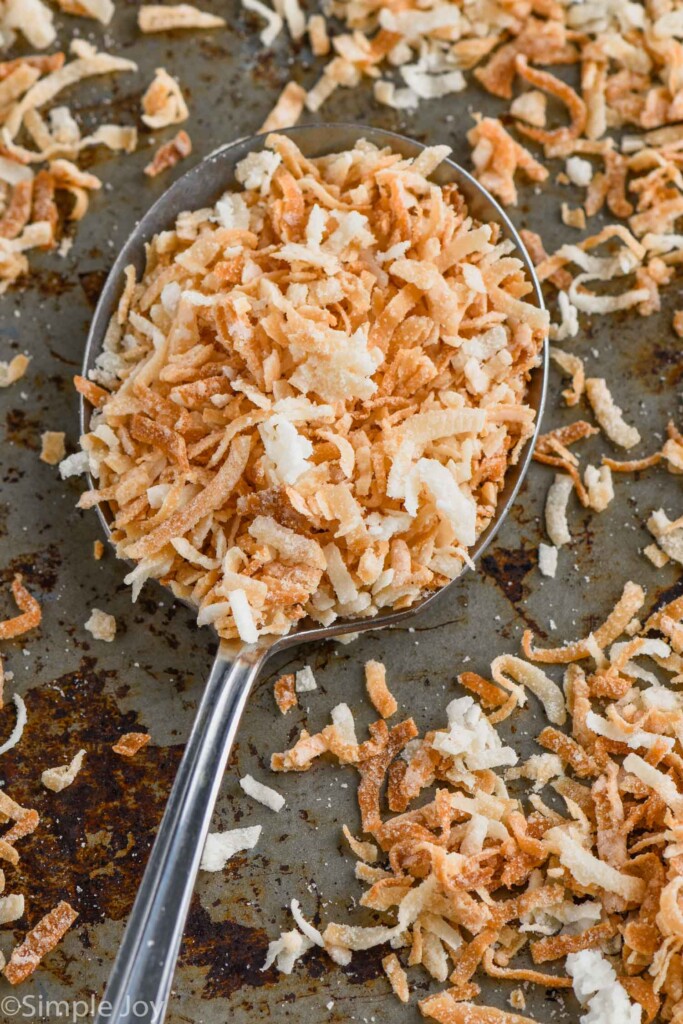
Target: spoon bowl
[{"x": 144, "y": 967}]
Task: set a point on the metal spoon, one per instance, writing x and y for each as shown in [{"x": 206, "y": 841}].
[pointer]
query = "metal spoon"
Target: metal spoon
[{"x": 140, "y": 982}]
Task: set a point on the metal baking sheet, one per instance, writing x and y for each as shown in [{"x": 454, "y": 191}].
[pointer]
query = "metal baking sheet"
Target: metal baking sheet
[{"x": 95, "y": 836}]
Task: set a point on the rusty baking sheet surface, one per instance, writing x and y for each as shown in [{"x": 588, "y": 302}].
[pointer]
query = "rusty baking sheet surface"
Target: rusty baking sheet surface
[{"x": 95, "y": 836}]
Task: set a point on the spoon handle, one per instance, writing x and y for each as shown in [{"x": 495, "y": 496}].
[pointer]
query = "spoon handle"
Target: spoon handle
[{"x": 140, "y": 982}]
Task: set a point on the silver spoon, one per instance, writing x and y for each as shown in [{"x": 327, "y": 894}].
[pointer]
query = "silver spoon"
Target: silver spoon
[{"x": 140, "y": 983}]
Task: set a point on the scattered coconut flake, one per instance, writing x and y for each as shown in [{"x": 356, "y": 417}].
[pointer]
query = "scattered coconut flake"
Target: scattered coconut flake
[
  {"x": 166, "y": 18},
  {"x": 285, "y": 951},
  {"x": 655, "y": 554},
  {"x": 52, "y": 447},
  {"x": 305, "y": 680},
  {"x": 13, "y": 371},
  {"x": 101, "y": 625},
  {"x": 547, "y": 559},
  {"x": 19, "y": 725},
  {"x": 221, "y": 846},
  {"x": 556, "y": 524},
  {"x": 264, "y": 794},
  {"x": 609, "y": 415},
  {"x": 11, "y": 908},
  {"x": 59, "y": 778}
]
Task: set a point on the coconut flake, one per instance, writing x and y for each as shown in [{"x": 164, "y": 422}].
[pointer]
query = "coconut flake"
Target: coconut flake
[
  {"x": 264, "y": 794},
  {"x": 18, "y": 729},
  {"x": 547, "y": 559},
  {"x": 59, "y": 778},
  {"x": 305, "y": 680},
  {"x": 221, "y": 846}
]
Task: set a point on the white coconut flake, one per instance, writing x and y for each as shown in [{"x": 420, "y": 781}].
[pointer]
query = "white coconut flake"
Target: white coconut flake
[
  {"x": 18, "y": 729},
  {"x": 447, "y": 496},
  {"x": 311, "y": 933},
  {"x": 74, "y": 465},
  {"x": 597, "y": 988},
  {"x": 285, "y": 951},
  {"x": 547, "y": 559},
  {"x": 233, "y": 212},
  {"x": 264, "y": 794},
  {"x": 267, "y": 35},
  {"x": 244, "y": 620},
  {"x": 286, "y": 448},
  {"x": 11, "y": 908},
  {"x": 471, "y": 735},
  {"x": 579, "y": 171},
  {"x": 221, "y": 846},
  {"x": 556, "y": 502},
  {"x": 304, "y": 680},
  {"x": 101, "y": 625},
  {"x": 342, "y": 718}
]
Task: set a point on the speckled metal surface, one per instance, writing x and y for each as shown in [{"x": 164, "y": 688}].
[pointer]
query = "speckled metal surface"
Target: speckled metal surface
[{"x": 95, "y": 836}]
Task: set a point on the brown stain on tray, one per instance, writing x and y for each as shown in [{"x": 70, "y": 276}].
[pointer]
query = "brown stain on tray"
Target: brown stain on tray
[{"x": 96, "y": 834}]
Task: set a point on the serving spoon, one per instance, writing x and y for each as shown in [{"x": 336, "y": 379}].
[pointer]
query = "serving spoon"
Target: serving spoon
[{"x": 140, "y": 983}]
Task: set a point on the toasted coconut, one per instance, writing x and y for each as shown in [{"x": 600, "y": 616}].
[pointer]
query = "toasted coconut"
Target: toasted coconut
[
  {"x": 285, "y": 693},
  {"x": 101, "y": 625},
  {"x": 378, "y": 691},
  {"x": 533, "y": 679},
  {"x": 130, "y": 743},
  {"x": 39, "y": 942},
  {"x": 547, "y": 559},
  {"x": 52, "y": 448},
  {"x": 100, "y": 10},
  {"x": 557, "y": 140},
  {"x": 265, "y": 795},
  {"x": 13, "y": 371},
  {"x": 287, "y": 110},
  {"x": 58, "y": 779},
  {"x": 31, "y": 614},
  {"x": 162, "y": 18},
  {"x": 32, "y": 18},
  {"x": 169, "y": 154},
  {"x": 630, "y": 602},
  {"x": 19, "y": 725},
  {"x": 221, "y": 846},
  {"x": 496, "y": 158},
  {"x": 556, "y": 524},
  {"x": 46, "y": 89},
  {"x": 599, "y": 487},
  {"x": 560, "y": 945},
  {"x": 573, "y": 217},
  {"x": 655, "y": 554},
  {"x": 398, "y": 979},
  {"x": 163, "y": 103},
  {"x": 306, "y": 461},
  {"x": 366, "y": 852},
  {"x": 573, "y": 367},
  {"x": 668, "y": 535},
  {"x": 317, "y": 34},
  {"x": 589, "y": 870},
  {"x": 445, "y": 1008},
  {"x": 530, "y": 107},
  {"x": 609, "y": 415}
]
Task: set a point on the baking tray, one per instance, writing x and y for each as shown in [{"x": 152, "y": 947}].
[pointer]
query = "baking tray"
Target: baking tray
[{"x": 94, "y": 837}]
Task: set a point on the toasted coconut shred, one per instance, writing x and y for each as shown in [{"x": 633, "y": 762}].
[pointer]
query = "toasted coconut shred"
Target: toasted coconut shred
[
  {"x": 314, "y": 392},
  {"x": 43, "y": 192},
  {"x": 474, "y": 881},
  {"x": 306, "y": 407}
]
